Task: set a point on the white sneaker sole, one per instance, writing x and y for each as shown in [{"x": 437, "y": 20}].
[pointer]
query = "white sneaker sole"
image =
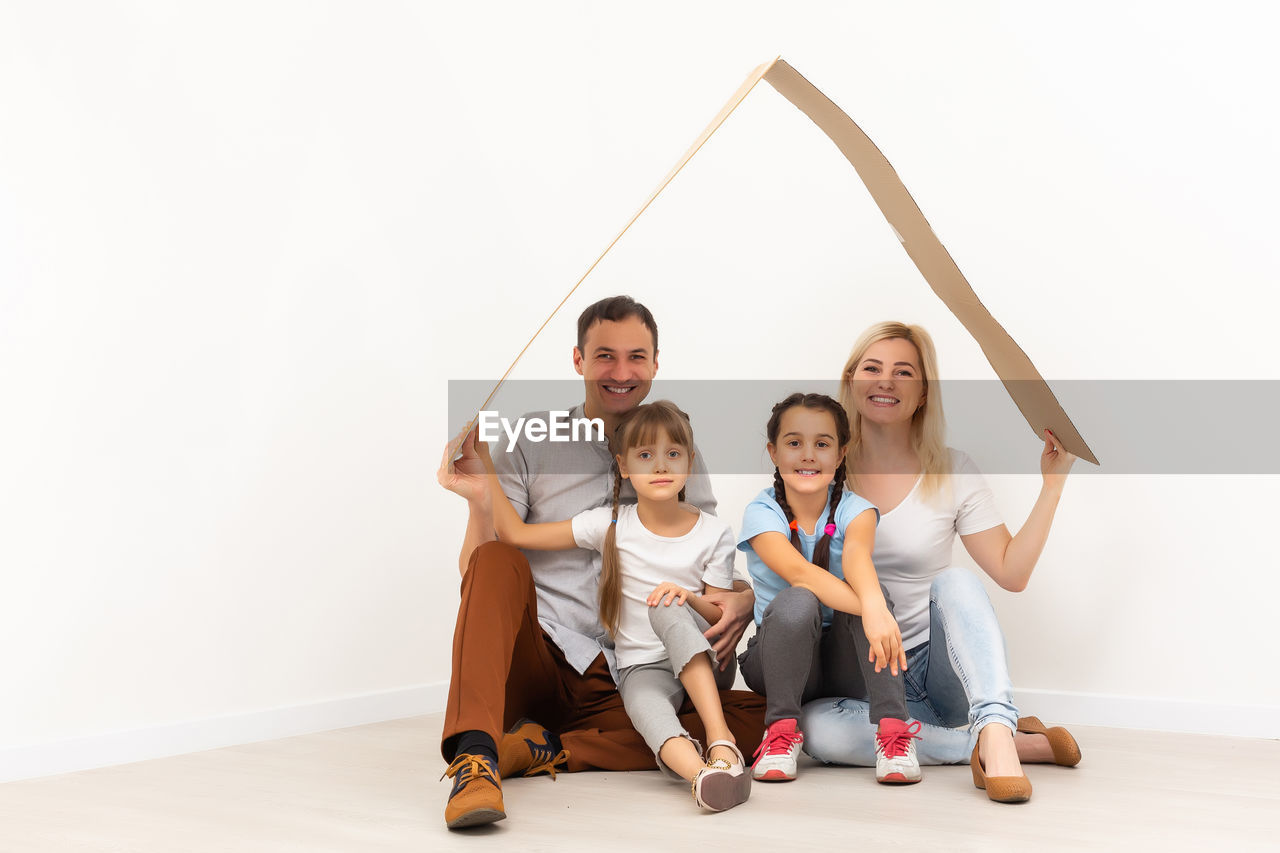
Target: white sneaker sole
[
  {"x": 897, "y": 779},
  {"x": 774, "y": 775}
]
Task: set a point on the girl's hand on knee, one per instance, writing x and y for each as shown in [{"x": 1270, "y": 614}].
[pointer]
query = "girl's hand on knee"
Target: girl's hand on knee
[
  {"x": 886, "y": 640},
  {"x": 672, "y": 592}
]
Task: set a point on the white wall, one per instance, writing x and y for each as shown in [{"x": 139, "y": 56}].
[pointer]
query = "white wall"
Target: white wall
[{"x": 243, "y": 248}]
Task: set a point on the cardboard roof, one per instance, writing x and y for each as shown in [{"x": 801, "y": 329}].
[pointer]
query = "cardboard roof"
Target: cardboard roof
[{"x": 1024, "y": 383}]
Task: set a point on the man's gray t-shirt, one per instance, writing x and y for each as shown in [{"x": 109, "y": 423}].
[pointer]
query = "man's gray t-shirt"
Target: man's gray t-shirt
[{"x": 554, "y": 481}]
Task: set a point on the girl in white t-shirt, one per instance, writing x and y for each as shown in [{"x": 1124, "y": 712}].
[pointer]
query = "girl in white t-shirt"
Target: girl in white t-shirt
[
  {"x": 957, "y": 670},
  {"x": 657, "y": 555}
]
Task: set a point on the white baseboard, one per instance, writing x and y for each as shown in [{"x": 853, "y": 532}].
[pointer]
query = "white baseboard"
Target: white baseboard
[
  {"x": 1059, "y": 707},
  {"x": 213, "y": 732},
  {"x": 1055, "y": 707}
]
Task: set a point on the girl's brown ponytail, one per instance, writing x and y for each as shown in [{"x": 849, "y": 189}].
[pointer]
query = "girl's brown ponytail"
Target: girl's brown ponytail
[{"x": 611, "y": 565}]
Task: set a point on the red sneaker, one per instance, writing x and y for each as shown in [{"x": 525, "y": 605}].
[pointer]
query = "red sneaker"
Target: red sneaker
[
  {"x": 775, "y": 760},
  {"x": 896, "y": 761}
]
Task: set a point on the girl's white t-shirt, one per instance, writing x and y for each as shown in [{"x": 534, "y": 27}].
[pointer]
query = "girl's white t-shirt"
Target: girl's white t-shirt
[
  {"x": 704, "y": 555},
  {"x": 914, "y": 542}
]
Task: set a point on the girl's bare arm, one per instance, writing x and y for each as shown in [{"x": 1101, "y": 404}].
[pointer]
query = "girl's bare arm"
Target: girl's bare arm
[
  {"x": 511, "y": 528},
  {"x": 781, "y": 556}
]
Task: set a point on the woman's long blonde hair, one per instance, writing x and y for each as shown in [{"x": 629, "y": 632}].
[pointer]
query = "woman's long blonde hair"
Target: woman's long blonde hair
[
  {"x": 639, "y": 426},
  {"x": 928, "y": 426}
]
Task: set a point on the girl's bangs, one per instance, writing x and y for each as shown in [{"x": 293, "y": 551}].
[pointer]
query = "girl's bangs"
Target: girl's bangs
[{"x": 654, "y": 419}]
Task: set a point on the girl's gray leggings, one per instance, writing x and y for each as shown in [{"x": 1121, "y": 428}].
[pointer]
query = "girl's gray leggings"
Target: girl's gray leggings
[{"x": 793, "y": 659}]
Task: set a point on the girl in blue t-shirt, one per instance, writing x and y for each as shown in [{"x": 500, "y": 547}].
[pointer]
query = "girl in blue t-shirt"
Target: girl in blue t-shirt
[{"x": 824, "y": 625}]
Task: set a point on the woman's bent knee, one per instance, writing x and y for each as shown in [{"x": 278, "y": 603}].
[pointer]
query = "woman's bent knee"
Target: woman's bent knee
[{"x": 956, "y": 584}]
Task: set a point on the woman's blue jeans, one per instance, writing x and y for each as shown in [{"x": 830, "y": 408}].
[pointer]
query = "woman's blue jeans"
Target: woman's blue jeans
[{"x": 959, "y": 677}]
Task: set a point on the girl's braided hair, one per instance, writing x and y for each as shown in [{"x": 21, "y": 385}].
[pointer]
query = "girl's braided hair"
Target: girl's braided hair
[{"x": 821, "y": 403}]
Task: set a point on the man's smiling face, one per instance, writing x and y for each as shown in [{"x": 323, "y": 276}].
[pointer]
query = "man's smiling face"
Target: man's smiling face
[{"x": 617, "y": 362}]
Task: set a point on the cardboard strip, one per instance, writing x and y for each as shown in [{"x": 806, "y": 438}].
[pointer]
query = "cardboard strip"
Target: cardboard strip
[
  {"x": 1021, "y": 379},
  {"x": 732, "y": 104}
]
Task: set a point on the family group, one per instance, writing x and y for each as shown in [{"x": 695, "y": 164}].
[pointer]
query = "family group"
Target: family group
[{"x": 601, "y": 613}]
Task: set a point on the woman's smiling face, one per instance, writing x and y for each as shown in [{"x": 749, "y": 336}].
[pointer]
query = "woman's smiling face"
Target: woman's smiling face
[{"x": 886, "y": 382}]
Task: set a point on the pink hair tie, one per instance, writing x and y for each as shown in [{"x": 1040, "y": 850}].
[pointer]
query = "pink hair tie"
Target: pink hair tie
[{"x": 830, "y": 530}]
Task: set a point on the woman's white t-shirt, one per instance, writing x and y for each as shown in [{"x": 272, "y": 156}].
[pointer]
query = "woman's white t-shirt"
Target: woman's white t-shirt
[
  {"x": 914, "y": 541},
  {"x": 704, "y": 555}
]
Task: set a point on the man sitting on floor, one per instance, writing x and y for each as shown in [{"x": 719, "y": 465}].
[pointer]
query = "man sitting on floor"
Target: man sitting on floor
[{"x": 528, "y": 643}]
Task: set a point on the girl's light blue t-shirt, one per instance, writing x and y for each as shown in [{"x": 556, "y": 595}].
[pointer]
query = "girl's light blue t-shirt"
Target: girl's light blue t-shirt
[{"x": 764, "y": 514}]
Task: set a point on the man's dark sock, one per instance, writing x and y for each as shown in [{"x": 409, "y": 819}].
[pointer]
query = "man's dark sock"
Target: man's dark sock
[
  {"x": 554, "y": 740},
  {"x": 477, "y": 743}
]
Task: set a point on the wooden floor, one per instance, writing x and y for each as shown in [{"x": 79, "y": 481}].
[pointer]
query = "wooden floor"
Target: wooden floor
[{"x": 375, "y": 788}]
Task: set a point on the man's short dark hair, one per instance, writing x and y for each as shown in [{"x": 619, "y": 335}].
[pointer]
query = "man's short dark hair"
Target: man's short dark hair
[{"x": 615, "y": 308}]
